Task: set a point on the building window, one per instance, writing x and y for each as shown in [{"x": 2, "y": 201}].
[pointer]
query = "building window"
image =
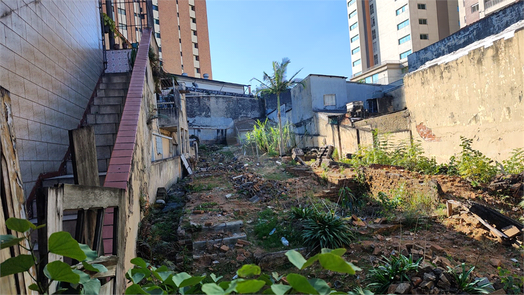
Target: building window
[
  {"x": 355, "y": 38},
  {"x": 422, "y": 21},
  {"x": 197, "y": 58},
  {"x": 155, "y": 7},
  {"x": 330, "y": 99},
  {"x": 371, "y": 8},
  {"x": 192, "y": 7},
  {"x": 194, "y": 33},
  {"x": 197, "y": 70},
  {"x": 474, "y": 7},
  {"x": 403, "y": 24},
  {"x": 375, "y": 47},
  {"x": 404, "y": 39},
  {"x": 179, "y": 40},
  {"x": 357, "y": 73},
  {"x": 356, "y": 62},
  {"x": 179, "y": 28},
  {"x": 193, "y": 20},
  {"x": 372, "y": 21},
  {"x": 121, "y": 11},
  {"x": 368, "y": 80},
  {"x": 157, "y": 21},
  {"x": 356, "y": 50},
  {"x": 351, "y": 2},
  {"x": 401, "y": 9},
  {"x": 375, "y": 78},
  {"x": 375, "y": 59},
  {"x": 353, "y": 13},
  {"x": 424, "y": 37},
  {"x": 159, "y": 49},
  {"x": 421, "y": 6},
  {"x": 373, "y": 34},
  {"x": 353, "y": 26},
  {"x": 157, "y": 35},
  {"x": 405, "y": 54},
  {"x": 195, "y": 45}
]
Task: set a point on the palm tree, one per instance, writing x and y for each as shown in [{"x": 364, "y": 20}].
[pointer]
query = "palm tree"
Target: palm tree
[{"x": 277, "y": 84}]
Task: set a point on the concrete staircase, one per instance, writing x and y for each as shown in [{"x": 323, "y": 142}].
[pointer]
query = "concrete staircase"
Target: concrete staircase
[{"x": 104, "y": 116}]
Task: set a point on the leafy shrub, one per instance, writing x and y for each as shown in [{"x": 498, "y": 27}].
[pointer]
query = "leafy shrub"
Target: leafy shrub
[
  {"x": 394, "y": 269},
  {"x": 474, "y": 165},
  {"x": 351, "y": 201},
  {"x": 515, "y": 164},
  {"x": 465, "y": 284},
  {"x": 70, "y": 279},
  {"x": 266, "y": 137},
  {"x": 512, "y": 284},
  {"x": 326, "y": 230},
  {"x": 147, "y": 279}
]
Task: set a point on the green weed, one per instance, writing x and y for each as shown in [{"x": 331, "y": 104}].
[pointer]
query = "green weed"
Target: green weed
[
  {"x": 393, "y": 269},
  {"x": 465, "y": 284}
]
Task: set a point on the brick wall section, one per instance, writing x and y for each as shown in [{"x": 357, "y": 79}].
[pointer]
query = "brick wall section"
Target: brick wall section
[
  {"x": 204, "y": 50},
  {"x": 122, "y": 155},
  {"x": 50, "y": 61}
]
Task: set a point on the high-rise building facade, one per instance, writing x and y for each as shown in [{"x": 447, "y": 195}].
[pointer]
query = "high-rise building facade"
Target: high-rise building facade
[
  {"x": 383, "y": 33},
  {"x": 471, "y": 11},
  {"x": 180, "y": 30}
]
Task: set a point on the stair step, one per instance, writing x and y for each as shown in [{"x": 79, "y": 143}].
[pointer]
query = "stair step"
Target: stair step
[
  {"x": 103, "y": 119},
  {"x": 114, "y": 85},
  {"x": 111, "y": 92},
  {"x": 110, "y": 128},
  {"x": 116, "y": 78},
  {"x": 102, "y": 101},
  {"x": 106, "y": 109}
]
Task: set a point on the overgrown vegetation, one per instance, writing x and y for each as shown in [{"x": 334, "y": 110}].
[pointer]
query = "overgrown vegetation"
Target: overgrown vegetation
[
  {"x": 270, "y": 228},
  {"x": 266, "y": 137},
  {"x": 464, "y": 282},
  {"x": 470, "y": 164},
  {"x": 147, "y": 279}
]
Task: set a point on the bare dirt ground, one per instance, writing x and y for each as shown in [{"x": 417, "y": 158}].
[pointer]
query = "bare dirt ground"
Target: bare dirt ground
[{"x": 229, "y": 190}]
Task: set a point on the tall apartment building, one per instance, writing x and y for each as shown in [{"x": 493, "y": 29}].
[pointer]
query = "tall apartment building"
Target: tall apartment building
[
  {"x": 180, "y": 29},
  {"x": 383, "y": 33},
  {"x": 471, "y": 11}
]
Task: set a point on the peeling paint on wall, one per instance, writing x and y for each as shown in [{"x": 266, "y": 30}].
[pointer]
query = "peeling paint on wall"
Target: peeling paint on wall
[{"x": 426, "y": 133}]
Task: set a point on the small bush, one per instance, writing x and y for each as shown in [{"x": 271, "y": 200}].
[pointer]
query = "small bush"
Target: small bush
[
  {"x": 473, "y": 165},
  {"x": 465, "y": 284},
  {"x": 512, "y": 284},
  {"x": 515, "y": 164},
  {"x": 326, "y": 230},
  {"x": 394, "y": 269}
]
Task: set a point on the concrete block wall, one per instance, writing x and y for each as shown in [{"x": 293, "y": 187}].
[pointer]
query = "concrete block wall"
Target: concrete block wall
[{"x": 50, "y": 61}]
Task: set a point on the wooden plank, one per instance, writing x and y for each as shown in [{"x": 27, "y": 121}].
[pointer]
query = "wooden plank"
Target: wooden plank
[
  {"x": 511, "y": 231},
  {"x": 186, "y": 164},
  {"x": 83, "y": 152},
  {"x": 90, "y": 197},
  {"x": 495, "y": 231},
  {"x": 12, "y": 192},
  {"x": 85, "y": 171},
  {"x": 107, "y": 288}
]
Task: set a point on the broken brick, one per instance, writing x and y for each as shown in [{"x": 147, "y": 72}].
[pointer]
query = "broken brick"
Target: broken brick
[
  {"x": 224, "y": 248},
  {"x": 243, "y": 242}
]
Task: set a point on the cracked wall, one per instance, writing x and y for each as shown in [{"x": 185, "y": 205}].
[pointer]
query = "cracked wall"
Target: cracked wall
[{"x": 479, "y": 95}]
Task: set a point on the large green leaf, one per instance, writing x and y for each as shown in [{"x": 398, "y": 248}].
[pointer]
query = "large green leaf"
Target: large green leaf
[
  {"x": 296, "y": 258},
  {"x": 138, "y": 274},
  {"x": 90, "y": 254},
  {"x": 139, "y": 261},
  {"x": 215, "y": 278},
  {"x": 95, "y": 267},
  {"x": 300, "y": 284},
  {"x": 16, "y": 264},
  {"x": 92, "y": 287},
  {"x": 191, "y": 281},
  {"x": 62, "y": 272},
  {"x": 310, "y": 261},
  {"x": 336, "y": 263},
  {"x": 212, "y": 289},
  {"x": 7, "y": 241},
  {"x": 180, "y": 277},
  {"x": 19, "y": 225},
  {"x": 249, "y": 286},
  {"x": 62, "y": 243},
  {"x": 338, "y": 252},
  {"x": 280, "y": 289},
  {"x": 83, "y": 276},
  {"x": 155, "y": 290},
  {"x": 321, "y": 286},
  {"x": 162, "y": 273},
  {"x": 135, "y": 289},
  {"x": 248, "y": 270}
]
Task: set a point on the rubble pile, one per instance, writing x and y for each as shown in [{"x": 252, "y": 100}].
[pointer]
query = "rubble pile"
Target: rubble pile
[{"x": 256, "y": 188}]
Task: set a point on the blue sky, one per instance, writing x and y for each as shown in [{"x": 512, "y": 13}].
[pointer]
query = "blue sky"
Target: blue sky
[{"x": 247, "y": 35}]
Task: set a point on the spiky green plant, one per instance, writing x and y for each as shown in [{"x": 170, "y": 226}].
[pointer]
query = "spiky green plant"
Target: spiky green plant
[
  {"x": 465, "y": 284},
  {"x": 326, "y": 230},
  {"x": 393, "y": 269}
]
